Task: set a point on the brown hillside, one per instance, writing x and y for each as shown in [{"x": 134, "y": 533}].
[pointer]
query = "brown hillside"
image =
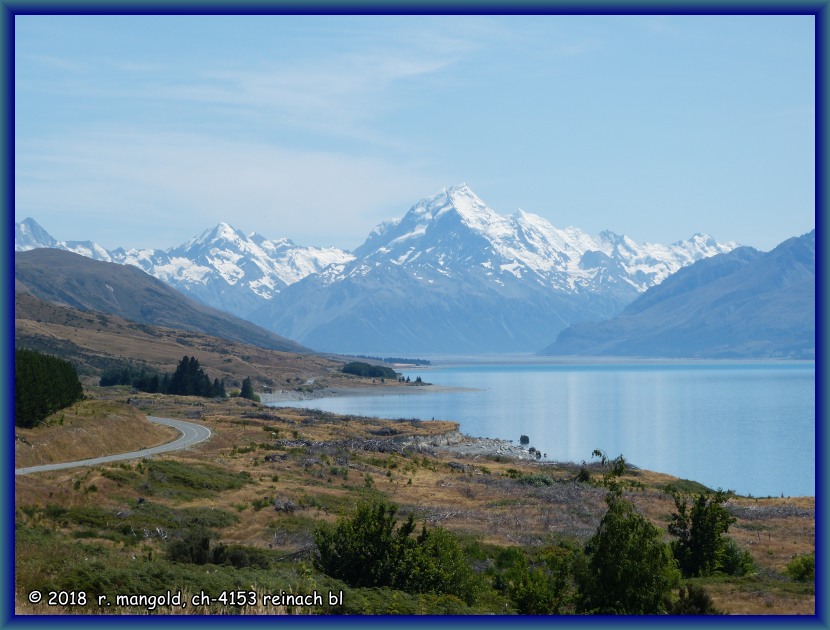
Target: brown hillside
[
  {"x": 94, "y": 342},
  {"x": 68, "y": 279}
]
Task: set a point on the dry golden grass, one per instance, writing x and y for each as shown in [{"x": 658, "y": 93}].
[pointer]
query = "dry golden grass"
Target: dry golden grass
[
  {"x": 759, "y": 600},
  {"x": 89, "y": 428}
]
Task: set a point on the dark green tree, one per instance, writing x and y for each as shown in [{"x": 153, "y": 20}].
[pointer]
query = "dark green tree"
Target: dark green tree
[
  {"x": 366, "y": 549},
  {"x": 248, "y": 390},
  {"x": 701, "y": 547},
  {"x": 630, "y": 571},
  {"x": 43, "y": 384},
  {"x": 218, "y": 389},
  {"x": 189, "y": 379}
]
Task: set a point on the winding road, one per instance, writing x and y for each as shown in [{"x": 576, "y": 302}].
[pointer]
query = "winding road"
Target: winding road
[{"x": 190, "y": 434}]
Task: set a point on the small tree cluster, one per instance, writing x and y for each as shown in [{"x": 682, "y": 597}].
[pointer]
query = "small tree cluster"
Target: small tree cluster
[
  {"x": 702, "y": 547},
  {"x": 43, "y": 384},
  {"x": 189, "y": 379},
  {"x": 359, "y": 368},
  {"x": 142, "y": 379}
]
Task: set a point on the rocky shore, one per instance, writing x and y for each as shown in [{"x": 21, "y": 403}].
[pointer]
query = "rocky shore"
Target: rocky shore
[
  {"x": 453, "y": 442},
  {"x": 468, "y": 446}
]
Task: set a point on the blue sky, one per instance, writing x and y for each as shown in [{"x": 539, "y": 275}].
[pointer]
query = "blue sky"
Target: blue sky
[{"x": 142, "y": 131}]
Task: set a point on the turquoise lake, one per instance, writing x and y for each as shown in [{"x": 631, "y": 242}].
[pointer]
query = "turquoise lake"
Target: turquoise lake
[{"x": 743, "y": 426}]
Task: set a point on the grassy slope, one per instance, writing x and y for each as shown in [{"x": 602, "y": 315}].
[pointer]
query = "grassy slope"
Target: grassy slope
[
  {"x": 322, "y": 477},
  {"x": 88, "y": 429}
]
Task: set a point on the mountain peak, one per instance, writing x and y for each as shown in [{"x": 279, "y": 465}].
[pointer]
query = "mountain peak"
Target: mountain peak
[{"x": 28, "y": 234}]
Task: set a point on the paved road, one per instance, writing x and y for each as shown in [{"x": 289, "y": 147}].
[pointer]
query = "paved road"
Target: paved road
[{"x": 191, "y": 434}]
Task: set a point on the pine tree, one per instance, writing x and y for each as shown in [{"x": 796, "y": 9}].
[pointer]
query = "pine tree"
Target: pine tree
[
  {"x": 247, "y": 389},
  {"x": 43, "y": 385}
]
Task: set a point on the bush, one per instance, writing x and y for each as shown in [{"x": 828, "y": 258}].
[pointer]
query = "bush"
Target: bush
[
  {"x": 370, "y": 549},
  {"x": 630, "y": 570},
  {"x": 802, "y": 568},
  {"x": 543, "y": 588},
  {"x": 700, "y": 547},
  {"x": 192, "y": 546},
  {"x": 734, "y": 560},
  {"x": 694, "y": 600}
]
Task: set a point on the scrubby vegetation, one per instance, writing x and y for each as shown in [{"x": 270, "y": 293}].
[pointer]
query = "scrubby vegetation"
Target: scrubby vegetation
[{"x": 371, "y": 549}]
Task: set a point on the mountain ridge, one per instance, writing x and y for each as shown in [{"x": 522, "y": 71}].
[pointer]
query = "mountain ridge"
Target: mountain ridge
[
  {"x": 741, "y": 304},
  {"x": 73, "y": 280}
]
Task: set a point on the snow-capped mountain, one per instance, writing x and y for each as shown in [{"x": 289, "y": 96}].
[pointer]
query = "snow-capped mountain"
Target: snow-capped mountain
[
  {"x": 222, "y": 267},
  {"x": 524, "y": 245},
  {"x": 452, "y": 275},
  {"x": 230, "y": 270}
]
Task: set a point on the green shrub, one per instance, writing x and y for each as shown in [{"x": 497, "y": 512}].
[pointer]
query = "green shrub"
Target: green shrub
[
  {"x": 802, "y": 568},
  {"x": 543, "y": 588},
  {"x": 694, "y": 600},
  {"x": 734, "y": 560},
  {"x": 370, "y": 549},
  {"x": 701, "y": 544},
  {"x": 630, "y": 571}
]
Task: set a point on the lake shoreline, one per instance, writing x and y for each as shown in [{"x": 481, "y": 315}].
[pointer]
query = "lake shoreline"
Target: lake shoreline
[
  {"x": 453, "y": 442},
  {"x": 651, "y": 415},
  {"x": 291, "y": 395}
]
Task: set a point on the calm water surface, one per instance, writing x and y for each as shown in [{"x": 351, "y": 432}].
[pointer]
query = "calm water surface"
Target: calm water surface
[{"x": 749, "y": 427}]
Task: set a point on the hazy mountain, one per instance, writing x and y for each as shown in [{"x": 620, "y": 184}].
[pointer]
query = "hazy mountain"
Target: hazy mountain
[
  {"x": 741, "y": 304},
  {"x": 62, "y": 277},
  {"x": 454, "y": 276}
]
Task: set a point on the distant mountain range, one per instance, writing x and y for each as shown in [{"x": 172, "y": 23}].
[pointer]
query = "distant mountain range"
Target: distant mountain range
[
  {"x": 453, "y": 276},
  {"x": 66, "y": 278},
  {"x": 740, "y": 304},
  {"x": 450, "y": 276}
]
